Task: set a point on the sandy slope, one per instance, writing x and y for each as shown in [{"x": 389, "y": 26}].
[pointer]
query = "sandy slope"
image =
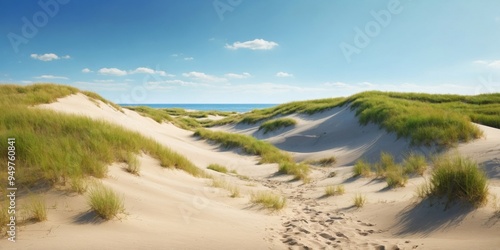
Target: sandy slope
[{"x": 158, "y": 200}]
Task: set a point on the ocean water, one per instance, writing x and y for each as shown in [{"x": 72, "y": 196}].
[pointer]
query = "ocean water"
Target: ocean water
[{"x": 206, "y": 107}]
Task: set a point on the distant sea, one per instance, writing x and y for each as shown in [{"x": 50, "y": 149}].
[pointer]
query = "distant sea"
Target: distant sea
[{"x": 205, "y": 107}]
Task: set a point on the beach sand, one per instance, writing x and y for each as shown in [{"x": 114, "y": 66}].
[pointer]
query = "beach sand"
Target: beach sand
[{"x": 169, "y": 209}]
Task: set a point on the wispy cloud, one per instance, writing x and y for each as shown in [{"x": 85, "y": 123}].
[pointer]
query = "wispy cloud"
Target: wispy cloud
[
  {"x": 50, "y": 77},
  {"x": 283, "y": 74},
  {"x": 48, "y": 57},
  {"x": 112, "y": 72},
  {"x": 495, "y": 64},
  {"x": 188, "y": 58},
  {"x": 257, "y": 44},
  {"x": 238, "y": 76},
  {"x": 169, "y": 84},
  {"x": 139, "y": 70},
  {"x": 86, "y": 70},
  {"x": 199, "y": 76},
  {"x": 144, "y": 70}
]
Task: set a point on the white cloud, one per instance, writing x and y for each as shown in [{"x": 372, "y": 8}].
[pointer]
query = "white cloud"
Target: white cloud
[
  {"x": 169, "y": 84},
  {"x": 336, "y": 84},
  {"x": 139, "y": 70},
  {"x": 257, "y": 44},
  {"x": 112, "y": 72},
  {"x": 174, "y": 55},
  {"x": 144, "y": 70},
  {"x": 283, "y": 74},
  {"x": 51, "y": 77},
  {"x": 86, "y": 70},
  {"x": 188, "y": 58},
  {"x": 48, "y": 57},
  {"x": 203, "y": 77},
  {"x": 495, "y": 64},
  {"x": 238, "y": 76}
]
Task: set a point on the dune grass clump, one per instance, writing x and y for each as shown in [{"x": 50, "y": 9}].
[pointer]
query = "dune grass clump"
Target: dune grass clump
[
  {"x": 233, "y": 190},
  {"x": 459, "y": 178},
  {"x": 35, "y": 209},
  {"x": 218, "y": 168},
  {"x": 133, "y": 164},
  {"x": 269, "y": 200},
  {"x": 359, "y": 200},
  {"x": 396, "y": 177},
  {"x": 324, "y": 162},
  {"x": 362, "y": 168},
  {"x": 105, "y": 202},
  {"x": 275, "y": 124},
  {"x": 420, "y": 120},
  {"x": 415, "y": 164},
  {"x": 60, "y": 147},
  {"x": 4, "y": 216},
  {"x": 334, "y": 190},
  {"x": 300, "y": 107},
  {"x": 268, "y": 153},
  {"x": 299, "y": 170},
  {"x": 77, "y": 184}
]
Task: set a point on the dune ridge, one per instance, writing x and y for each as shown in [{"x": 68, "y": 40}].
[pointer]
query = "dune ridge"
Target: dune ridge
[{"x": 158, "y": 201}]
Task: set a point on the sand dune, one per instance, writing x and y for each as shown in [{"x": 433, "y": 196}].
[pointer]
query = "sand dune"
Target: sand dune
[{"x": 158, "y": 201}]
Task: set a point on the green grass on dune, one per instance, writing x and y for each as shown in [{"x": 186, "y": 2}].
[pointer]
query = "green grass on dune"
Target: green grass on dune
[
  {"x": 423, "y": 123},
  {"x": 267, "y": 152},
  {"x": 300, "y": 107},
  {"x": 54, "y": 148},
  {"x": 275, "y": 124}
]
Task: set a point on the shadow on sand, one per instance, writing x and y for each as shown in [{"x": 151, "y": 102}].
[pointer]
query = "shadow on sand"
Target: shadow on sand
[
  {"x": 88, "y": 217},
  {"x": 430, "y": 215}
]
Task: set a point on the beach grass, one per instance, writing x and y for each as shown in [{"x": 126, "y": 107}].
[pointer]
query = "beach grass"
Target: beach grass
[
  {"x": 362, "y": 168},
  {"x": 133, "y": 164},
  {"x": 276, "y": 124},
  {"x": 55, "y": 147},
  {"x": 359, "y": 200},
  {"x": 105, "y": 202},
  {"x": 268, "y": 153},
  {"x": 415, "y": 164},
  {"x": 459, "y": 178},
  {"x": 218, "y": 168},
  {"x": 233, "y": 190},
  {"x": 269, "y": 200},
  {"x": 334, "y": 190},
  {"x": 324, "y": 162},
  {"x": 35, "y": 209}
]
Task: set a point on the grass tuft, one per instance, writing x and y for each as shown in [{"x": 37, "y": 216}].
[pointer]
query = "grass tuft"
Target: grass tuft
[
  {"x": 459, "y": 178},
  {"x": 35, "y": 210},
  {"x": 78, "y": 184},
  {"x": 334, "y": 190},
  {"x": 362, "y": 168},
  {"x": 325, "y": 162},
  {"x": 275, "y": 124},
  {"x": 359, "y": 200},
  {"x": 269, "y": 200},
  {"x": 105, "y": 202},
  {"x": 268, "y": 152},
  {"x": 415, "y": 164},
  {"x": 218, "y": 168},
  {"x": 133, "y": 164}
]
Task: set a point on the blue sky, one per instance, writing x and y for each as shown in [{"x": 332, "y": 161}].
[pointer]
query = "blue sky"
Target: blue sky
[{"x": 251, "y": 51}]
